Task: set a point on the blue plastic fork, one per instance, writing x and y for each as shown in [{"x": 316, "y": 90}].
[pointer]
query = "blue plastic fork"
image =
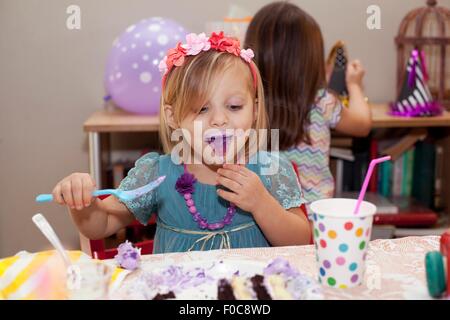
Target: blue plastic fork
[{"x": 120, "y": 194}]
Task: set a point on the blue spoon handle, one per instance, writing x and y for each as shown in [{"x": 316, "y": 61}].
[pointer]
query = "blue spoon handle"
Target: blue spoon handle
[
  {"x": 103, "y": 192},
  {"x": 44, "y": 198},
  {"x": 49, "y": 197}
]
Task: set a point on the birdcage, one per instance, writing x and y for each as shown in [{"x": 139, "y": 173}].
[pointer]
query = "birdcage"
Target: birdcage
[{"x": 428, "y": 30}]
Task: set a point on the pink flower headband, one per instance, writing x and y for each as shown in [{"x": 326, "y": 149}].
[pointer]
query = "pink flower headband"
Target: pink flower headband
[{"x": 196, "y": 43}]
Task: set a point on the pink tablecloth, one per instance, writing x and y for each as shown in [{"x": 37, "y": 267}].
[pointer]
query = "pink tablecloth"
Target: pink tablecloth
[{"x": 395, "y": 268}]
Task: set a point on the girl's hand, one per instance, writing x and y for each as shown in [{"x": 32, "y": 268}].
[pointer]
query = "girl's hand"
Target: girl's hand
[
  {"x": 354, "y": 73},
  {"x": 75, "y": 191},
  {"x": 247, "y": 189}
]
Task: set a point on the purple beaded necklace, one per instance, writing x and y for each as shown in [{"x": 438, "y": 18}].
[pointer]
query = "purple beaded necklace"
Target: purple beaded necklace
[{"x": 185, "y": 186}]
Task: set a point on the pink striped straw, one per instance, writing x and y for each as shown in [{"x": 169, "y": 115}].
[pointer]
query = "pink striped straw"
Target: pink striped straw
[{"x": 362, "y": 193}]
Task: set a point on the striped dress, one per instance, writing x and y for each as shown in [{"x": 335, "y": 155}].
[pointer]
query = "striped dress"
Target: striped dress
[{"x": 313, "y": 160}]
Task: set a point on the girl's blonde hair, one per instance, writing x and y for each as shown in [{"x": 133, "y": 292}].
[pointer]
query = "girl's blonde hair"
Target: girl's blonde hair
[{"x": 188, "y": 87}]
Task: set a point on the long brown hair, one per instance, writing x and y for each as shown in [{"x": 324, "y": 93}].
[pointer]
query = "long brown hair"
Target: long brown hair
[{"x": 289, "y": 53}]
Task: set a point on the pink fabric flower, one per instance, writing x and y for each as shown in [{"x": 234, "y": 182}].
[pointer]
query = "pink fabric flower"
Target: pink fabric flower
[
  {"x": 247, "y": 55},
  {"x": 163, "y": 65},
  {"x": 231, "y": 45},
  {"x": 222, "y": 43},
  {"x": 215, "y": 38},
  {"x": 175, "y": 56},
  {"x": 196, "y": 43}
]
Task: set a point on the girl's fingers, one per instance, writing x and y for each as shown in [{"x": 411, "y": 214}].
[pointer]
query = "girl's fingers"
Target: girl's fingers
[
  {"x": 94, "y": 184},
  {"x": 358, "y": 66},
  {"x": 87, "y": 191},
  {"x": 66, "y": 190},
  {"x": 229, "y": 196},
  {"x": 355, "y": 69},
  {"x": 232, "y": 175},
  {"x": 77, "y": 193},
  {"x": 230, "y": 184},
  {"x": 350, "y": 67},
  {"x": 242, "y": 170},
  {"x": 57, "y": 197}
]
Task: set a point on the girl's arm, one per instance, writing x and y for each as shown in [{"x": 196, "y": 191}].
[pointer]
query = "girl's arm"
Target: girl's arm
[
  {"x": 102, "y": 219},
  {"x": 281, "y": 227},
  {"x": 355, "y": 120}
]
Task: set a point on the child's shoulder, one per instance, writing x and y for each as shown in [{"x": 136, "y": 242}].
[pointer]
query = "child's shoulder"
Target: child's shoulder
[
  {"x": 150, "y": 156},
  {"x": 325, "y": 97},
  {"x": 271, "y": 161},
  {"x": 268, "y": 156},
  {"x": 149, "y": 160},
  {"x": 329, "y": 107},
  {"x": 154, "y": 161},
  {"x": 279, "y": 177}
]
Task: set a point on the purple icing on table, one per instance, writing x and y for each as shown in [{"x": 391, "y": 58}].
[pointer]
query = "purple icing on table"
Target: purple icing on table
[
  {"x": 298, "y": 284},
  {"x": 175, "y": 278},
  {"x": 128, "y": 257},
  {"x": 280, "y": 266},
  {"x": 180, "y": 278}
]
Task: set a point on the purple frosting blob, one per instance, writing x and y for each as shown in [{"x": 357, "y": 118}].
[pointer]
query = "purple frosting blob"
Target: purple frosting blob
[
  {"x": 128, "y": 257},
  {"x": 282, "y": 267}
]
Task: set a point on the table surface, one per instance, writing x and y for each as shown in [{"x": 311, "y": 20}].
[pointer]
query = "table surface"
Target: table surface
[
  {"x": 121, "y": 121},
  {"x": 395, "y": 268}
]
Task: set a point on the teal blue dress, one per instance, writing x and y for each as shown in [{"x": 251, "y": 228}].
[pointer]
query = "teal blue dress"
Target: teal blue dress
[{"x": 177, "y": 231}]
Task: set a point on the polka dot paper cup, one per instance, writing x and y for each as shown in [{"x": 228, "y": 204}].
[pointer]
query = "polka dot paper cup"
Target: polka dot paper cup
[{"x": 341, "y": 239}]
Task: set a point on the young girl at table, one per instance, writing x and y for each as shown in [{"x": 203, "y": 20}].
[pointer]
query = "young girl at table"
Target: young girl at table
[
  {"x": 289, "y": 53},
  {"x": 201, "y": 205}
]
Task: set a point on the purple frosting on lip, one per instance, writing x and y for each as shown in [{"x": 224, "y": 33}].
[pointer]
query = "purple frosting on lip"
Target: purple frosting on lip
[{"x": 222, "y": 136}]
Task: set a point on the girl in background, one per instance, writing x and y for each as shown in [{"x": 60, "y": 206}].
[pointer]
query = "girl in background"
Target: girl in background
[{"x": 289, "y": 53}]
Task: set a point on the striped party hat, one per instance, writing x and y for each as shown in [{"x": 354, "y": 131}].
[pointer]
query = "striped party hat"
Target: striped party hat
[
  {"x": 415, "y": 99},
  {"x": 337, "y": 61}
]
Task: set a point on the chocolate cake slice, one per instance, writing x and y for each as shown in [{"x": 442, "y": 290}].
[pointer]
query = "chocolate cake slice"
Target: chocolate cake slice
[
  {"x": 164, "y": 296},
  {"x": 278, "y": 281},
  {"x": 271, "y": 287},
  {"x": 225, "y": 291},
  {"x": 259, "y": 287}
]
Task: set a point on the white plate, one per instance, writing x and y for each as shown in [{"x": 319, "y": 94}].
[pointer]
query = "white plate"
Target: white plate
[{"x": 197, "y": 280}]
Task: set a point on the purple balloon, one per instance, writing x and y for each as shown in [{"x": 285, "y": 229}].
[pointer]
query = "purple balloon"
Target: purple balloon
[{"x": 132, "y": 77}]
